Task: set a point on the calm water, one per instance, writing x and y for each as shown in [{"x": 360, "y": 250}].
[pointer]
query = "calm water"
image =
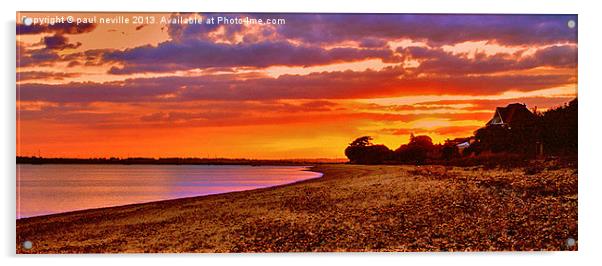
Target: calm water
[{"x": 47, "y": 189}]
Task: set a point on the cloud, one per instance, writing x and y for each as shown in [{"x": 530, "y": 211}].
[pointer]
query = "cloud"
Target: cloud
[
  {"x": 228, "y": 110},
  {"x": 43, "y": 75},
  {"x": 51, "y": 54},
  {"x": 232, "y": 33},
  {"x": 373, "y": 43},
  {"x": 48, "y": 55},
  {"x": 555, "y": 56},
  {"x": 389, "y": 82},
  {"x": 37, "y": 57},
  {"x": 188, "y": 117},
  {"x": 301, "y": 42},
  {"x": 59, "y": 42},
  {"x": 456, "y": 131},
  {"x": 59, "y": 28},
  {"x": 436, "y": 60},
  {"x": 485, "y": 104},
  {"x": 193, "y": 114},
  {"x": 436, "y": 30},
  {"x": 196, "y": 46},
  {"x": 191, "y": 54},
  {"x": 68, "y": 113}
]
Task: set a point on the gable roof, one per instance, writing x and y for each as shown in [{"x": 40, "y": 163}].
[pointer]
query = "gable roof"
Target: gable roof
[{"x": 511, "y": 114}]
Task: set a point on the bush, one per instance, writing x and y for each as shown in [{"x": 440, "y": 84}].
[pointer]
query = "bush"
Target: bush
[{"x": 362, "y": 151}]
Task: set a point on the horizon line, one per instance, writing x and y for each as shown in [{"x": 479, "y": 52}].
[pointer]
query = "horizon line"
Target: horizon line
[{"x": 159, "y": 158}]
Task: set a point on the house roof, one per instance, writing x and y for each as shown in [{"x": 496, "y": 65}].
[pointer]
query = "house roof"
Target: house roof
[{"x": 511, "y": 114}]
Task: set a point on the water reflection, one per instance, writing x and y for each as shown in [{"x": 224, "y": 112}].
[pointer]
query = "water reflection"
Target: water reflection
[{"x": 47, "y": 189}]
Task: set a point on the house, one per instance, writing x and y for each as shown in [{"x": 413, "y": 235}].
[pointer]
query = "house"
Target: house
[
  {"x": 515, "y": 114},
  {"x": 463, "y": 145},
  {"x": 516, "y": 118},
  {"x": 460, "y": 143}
]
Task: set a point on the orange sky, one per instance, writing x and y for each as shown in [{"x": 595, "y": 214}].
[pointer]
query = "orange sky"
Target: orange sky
[{"x": 304, "y": 89}]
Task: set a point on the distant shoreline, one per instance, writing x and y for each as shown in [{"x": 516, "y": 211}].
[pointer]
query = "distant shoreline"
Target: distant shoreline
[{"x": 176, "y": 161}]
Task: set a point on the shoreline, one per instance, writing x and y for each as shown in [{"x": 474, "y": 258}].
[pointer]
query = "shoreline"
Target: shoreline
[
  {"x": 350, "y": 208},
  {"x": 106, "y": 208}
]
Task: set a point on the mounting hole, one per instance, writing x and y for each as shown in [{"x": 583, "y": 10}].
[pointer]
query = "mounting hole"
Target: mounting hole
[
  {"x": 27, "y": 21},
  {"x": 570, "y": 242},
  {"x": 571, "y": 24},
  {"x": 27, "y": 244}
]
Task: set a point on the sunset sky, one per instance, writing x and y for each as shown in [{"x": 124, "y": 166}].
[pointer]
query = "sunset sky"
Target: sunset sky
[{"x": 304, "y": 89}]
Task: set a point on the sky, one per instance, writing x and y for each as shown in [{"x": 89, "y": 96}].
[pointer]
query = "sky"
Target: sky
[{"x": 304, "y": 88}]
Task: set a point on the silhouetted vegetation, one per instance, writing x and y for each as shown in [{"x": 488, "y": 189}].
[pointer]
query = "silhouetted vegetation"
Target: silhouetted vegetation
[
  {"x": 362, "y": 151},
  {"x": 417, "y": 151},
  {"x": 559, "y": 129},
  {"x": 512, "y": 137},
  {"x": 554, "y": 132}
]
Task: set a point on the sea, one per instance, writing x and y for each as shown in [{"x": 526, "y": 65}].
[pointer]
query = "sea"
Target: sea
[{"x": 56, "y": 188}]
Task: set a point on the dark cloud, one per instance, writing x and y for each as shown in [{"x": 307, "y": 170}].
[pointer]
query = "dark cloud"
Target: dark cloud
[
  {"x": 74, "y": 63},
  {"x": 554, "y": 56},
  {"x": 436, "y": 60},
  {"x": 47, "y": 56},
  {"x": 178, "y": 116},
  {"x": 373, "y": 43},
  {"x": 33, "y": 75},
  {"x": 59, "y": 28},
  {"x": 86, "y": 92},
  {"x": 190, "y": 54},
  {"x": 388, "y": 82},
  {"x": 202, "y": 113},
  {"x": 192, "y": 47},
  {"x": 37, "y": 57},
  {"x": 81, "y": 115},
  {"x": 433, "y": 29},
  {"x": 59, "y": 42}
]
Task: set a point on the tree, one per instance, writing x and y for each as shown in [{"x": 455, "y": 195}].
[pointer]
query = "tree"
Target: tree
[
  {"x": 362, "y": 151},
  {"x": 421, "y": 141},
  {"x": 493, "y": 138},
  {"x": 559, "y": 129},
  {"x": 361, "y": 142},
  {"x": 449, "y": 151},
  {"x": 416, "y": 151}
]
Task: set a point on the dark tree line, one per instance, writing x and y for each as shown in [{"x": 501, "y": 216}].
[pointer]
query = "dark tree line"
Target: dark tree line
[
  {"x": 559, "y": 129},
  {"x": 362, "y": 151},
  {"x": 553, "y": 132}
]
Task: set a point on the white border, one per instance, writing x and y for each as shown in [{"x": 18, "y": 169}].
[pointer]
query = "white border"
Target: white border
[{"x": 590, "y": 86}]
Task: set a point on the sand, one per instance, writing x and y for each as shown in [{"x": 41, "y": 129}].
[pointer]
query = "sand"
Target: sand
[{"x": 351, "y": 208}]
